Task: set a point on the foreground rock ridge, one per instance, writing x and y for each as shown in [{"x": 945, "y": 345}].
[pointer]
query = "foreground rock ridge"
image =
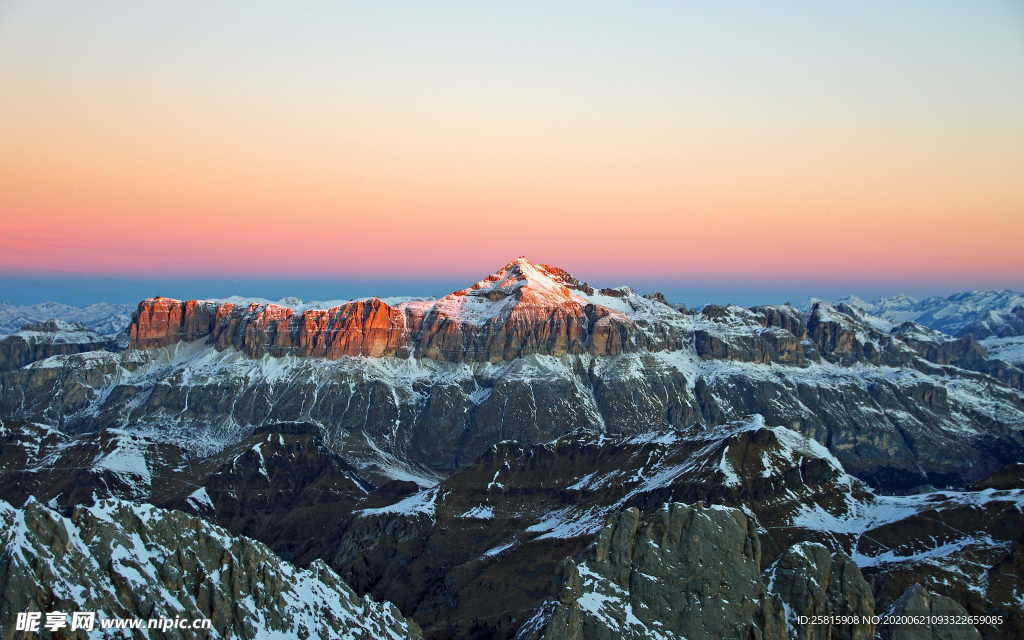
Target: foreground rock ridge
[
  {"x": 121, "y": 559},
  {"x": 529, "y": 457},
  {"x": 482, "y": 553}
]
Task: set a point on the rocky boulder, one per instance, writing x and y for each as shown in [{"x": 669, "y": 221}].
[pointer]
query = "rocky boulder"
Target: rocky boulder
[{"x": 919, "y": 602}]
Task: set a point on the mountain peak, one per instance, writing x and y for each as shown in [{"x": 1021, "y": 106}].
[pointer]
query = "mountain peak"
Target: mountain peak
[{"x": 519, "y": 275}]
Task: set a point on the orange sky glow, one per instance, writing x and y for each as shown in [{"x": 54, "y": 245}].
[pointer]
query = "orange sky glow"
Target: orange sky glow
[{"x": 122, "y": 166}]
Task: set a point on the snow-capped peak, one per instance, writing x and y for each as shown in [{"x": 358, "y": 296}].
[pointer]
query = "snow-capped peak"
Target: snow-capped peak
[
  {"x": 521, "y": 274},
  {"x": 519, "y": 284}
]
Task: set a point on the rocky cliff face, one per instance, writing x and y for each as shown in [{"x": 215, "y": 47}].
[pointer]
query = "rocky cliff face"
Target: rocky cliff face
[
  {"x": 693, "y": 572},
  {"x": 892, "y": 426},
  {"x": 812, "y": 581},
  {"x": 122, "y": 559},
  {"x": 520, "y": 310},
  {"x": 965, "y": 352},
  {"x": 484, "y": 543}
]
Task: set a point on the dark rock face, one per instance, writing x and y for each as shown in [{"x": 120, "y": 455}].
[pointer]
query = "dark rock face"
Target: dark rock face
[
  {"x": 680, "y": 571},
  {"x": 1009, "y": 477},
  {"x": 814, "y": 582},
  {"x": 47, "y": 464},
  {"x": 484, "y": 544},
  {"x": 281, "y": 485},
  {"x": 842, "y": 339},
  {"x": 121, "y": 559},
  {"x": 761, "y": 334},
  {"x": 919, "y": 602}
]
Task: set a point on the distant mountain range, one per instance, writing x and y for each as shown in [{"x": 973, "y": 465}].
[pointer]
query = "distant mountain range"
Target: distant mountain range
[
  {"x": 101, "y": 317},
  {"x": 527, "y": 458},
  {"x": 982, "y": 314}
]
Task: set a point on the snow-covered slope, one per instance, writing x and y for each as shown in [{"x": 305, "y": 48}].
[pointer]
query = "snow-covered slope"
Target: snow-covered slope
[{"x": 1010, "y": 349}]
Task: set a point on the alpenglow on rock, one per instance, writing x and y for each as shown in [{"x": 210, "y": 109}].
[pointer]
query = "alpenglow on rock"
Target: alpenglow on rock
[
  {"x": 519, "y": 310},
  {"x": 127, "y": 560}
]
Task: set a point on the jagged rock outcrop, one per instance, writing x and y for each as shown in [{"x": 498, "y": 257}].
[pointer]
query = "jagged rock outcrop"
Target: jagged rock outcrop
[
  {"x": 481, "y": 543},
  {"x": 842, "y": 337},
  {"x": 784, "y": 317},
  {"x": 521, "y": 309},
  {"x": 687, "y": 571},
  {"x": 502, "y": 525},
  {"x": 127, "y": 560},
  {"x": 919, "y": 602},
  {"x": 39, "y": 340},
  {"x": 680, "y": 572},
  {"x": 814, "y": 582},
  {"x": 282, "y": 485},
  {"x": 751, "y": 335}
]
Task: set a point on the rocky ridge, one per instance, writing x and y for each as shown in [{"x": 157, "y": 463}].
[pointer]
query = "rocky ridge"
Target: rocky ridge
[
  {"x": 474, "y": 556},
  {"x": 128, "y": 560}
]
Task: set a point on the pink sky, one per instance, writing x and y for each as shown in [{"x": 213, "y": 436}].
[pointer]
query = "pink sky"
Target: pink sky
[{"x": 191, "y": 152}]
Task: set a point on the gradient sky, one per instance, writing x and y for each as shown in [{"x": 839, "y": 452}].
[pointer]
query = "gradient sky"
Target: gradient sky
[{"x": 716, "y": 149}]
